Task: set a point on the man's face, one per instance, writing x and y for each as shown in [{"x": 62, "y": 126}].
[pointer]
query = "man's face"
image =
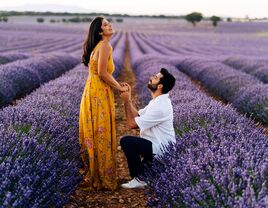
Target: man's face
[{"x": 154, "y": 81}]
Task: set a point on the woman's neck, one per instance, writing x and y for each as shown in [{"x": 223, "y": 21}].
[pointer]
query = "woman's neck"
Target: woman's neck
[{"x": 107, "y": 38}]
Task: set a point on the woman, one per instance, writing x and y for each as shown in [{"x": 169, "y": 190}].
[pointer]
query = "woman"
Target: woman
[{"x": 97, "y": 134}]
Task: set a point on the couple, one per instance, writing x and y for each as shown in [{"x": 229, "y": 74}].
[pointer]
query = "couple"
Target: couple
[{"x": 97, "y": 133}]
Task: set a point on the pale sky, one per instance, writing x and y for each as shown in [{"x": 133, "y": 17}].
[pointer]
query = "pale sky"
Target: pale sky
[{"x": 232, "y": 8}]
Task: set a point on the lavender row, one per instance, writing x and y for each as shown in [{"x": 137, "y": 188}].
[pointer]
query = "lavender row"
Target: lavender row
[
  {"x": 39, "y": 145},
  {"x": 211, "y": 44},
  {"x": 10, "y": 57},
  {"x": 37, "y": 42},
  {"x": 176, "y": 26},
  {"x": 220, "y": 158},
  {"x": 61, "y": 46},
  {"x": 255, "y": 67},
  {"x": 36, "y": 28},
  {"x": 77, "y": 49},
  {"x": 21, "y": 77},
  {"x": 45, "y": 46},
  {"x": 119, "y": 54},
  {"x": 31, "y": 43},
  {"x": 231, "y": 85},
  {"x": 245, "y": 92},
  {"x": 134, "y": 46}
]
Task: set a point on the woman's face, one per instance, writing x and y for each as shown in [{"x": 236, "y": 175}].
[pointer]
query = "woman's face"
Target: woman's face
[{"x": 107, "y": 28}]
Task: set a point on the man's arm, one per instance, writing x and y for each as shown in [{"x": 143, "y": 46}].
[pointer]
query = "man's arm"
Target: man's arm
[
  {"x": 130, "y": 110},
  {"x": 131, "y": 113}
]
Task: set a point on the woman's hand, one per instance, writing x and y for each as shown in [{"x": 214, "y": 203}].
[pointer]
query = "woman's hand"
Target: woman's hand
[{"x": 124, "y": 87}]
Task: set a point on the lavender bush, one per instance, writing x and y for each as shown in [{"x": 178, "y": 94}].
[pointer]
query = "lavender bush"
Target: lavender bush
[
  {"x": 40, "y": 150},
  {"x": 256, "y": 67},
  {"x": 219, "y": 159},
  {"x": 10, "y": 57},
  {"x": 40, "y": 156},
  {"x": 21, "y": 77},
  {"x": 253, "y": 100},
  {"x": 119, "y": 54},
  {"x": 36, "y": 39},
  {"x": 227, "y": 83}
]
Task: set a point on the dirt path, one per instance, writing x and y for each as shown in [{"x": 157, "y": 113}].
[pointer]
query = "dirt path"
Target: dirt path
[{"x": 121, "y": 198}]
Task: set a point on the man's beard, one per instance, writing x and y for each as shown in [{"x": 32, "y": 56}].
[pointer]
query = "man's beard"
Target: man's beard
[{"x": 152, "y": 87}]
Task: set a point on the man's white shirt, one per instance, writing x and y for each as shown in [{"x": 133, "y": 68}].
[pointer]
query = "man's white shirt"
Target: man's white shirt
[{"x": 156, "y": 123}]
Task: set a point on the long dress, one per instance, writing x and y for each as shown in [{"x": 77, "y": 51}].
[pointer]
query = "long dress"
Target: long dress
[{"x": 97, "y": 134}]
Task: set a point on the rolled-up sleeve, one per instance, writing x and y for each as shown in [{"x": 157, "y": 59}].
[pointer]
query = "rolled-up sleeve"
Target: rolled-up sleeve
[
  {"x": 150, "y": 118},
  {"x": 142, "y": 111}
]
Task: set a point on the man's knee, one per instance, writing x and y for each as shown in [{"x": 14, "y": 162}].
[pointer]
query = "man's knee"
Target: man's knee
[{"x": 126, "y": 140}]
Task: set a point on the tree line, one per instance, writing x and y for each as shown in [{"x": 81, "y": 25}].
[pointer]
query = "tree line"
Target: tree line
[
  {"x": 196, "y": 17},
  {"x": 193, "y": 17}
]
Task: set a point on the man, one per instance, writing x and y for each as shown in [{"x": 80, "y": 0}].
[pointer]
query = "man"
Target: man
[{"x": 155, "y": 122}]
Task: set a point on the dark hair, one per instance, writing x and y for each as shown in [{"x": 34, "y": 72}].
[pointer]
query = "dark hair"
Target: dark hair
[
  {"x": 168, "y": 81},
  {"x": 92, "y": 39}
]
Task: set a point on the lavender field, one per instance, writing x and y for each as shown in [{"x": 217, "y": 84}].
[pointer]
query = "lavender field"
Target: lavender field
[{"x": 221, "y": 155}]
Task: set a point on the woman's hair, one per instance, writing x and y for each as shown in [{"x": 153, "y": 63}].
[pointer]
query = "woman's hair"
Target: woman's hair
[{"x": 92, "y": 39}]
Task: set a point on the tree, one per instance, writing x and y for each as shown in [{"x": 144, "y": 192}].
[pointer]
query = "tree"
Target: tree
[
  {"x": 215, "y": 20},
  {"x": 194, "y": 17},
  {"x": 229, "y": 19},
  {"x": 40, "y": 20},
  {"x": 119, "y": 20},
  {"x": 86, "y": 19},
  {"x": 5, "y": 19},
  {"x": 75, "y": 19}
]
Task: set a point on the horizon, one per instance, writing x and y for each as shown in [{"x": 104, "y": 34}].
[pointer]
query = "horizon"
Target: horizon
[{"x": 239, "y": 9}]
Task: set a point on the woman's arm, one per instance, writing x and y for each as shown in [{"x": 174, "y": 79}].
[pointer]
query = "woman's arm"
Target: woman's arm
[{"x": 104, "y": 53}]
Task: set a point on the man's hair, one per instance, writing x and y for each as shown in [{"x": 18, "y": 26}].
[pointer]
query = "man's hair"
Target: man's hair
[{"x": 168, "y": 81}]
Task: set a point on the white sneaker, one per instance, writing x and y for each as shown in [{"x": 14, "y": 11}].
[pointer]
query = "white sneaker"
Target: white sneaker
[{"x": 134, "y": 183}]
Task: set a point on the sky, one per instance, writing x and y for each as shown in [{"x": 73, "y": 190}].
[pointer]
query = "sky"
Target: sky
[{"x": 223, "y": 8}]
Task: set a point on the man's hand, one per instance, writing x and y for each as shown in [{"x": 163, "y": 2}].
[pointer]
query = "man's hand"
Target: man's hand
[
  {"x": 125, "y": 96},
  {"x": 131, "y": 111},
  {"x": 129, "y": 91}
]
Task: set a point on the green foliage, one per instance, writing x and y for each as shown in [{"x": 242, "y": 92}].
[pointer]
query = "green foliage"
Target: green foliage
[
  {"x": 86, "y": 19},
  {"x": 229, "y": 19},
  {"x": 3, "y": 18},
  {"x": 52, "y": 21},
  {"x": 75, "y": 19},
  {"x": 119, "y": 20},
  {"x": 40, "y": 20},
  {"x": 194, "y": 17},
  {"x": 215, "y": 20}
]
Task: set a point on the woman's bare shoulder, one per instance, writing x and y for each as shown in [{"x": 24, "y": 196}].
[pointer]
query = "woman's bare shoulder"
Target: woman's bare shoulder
[{"x": 105, "y": 45}]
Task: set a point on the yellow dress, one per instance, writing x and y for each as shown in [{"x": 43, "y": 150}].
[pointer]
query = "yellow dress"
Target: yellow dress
[{"x": 97, "y": 134}]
